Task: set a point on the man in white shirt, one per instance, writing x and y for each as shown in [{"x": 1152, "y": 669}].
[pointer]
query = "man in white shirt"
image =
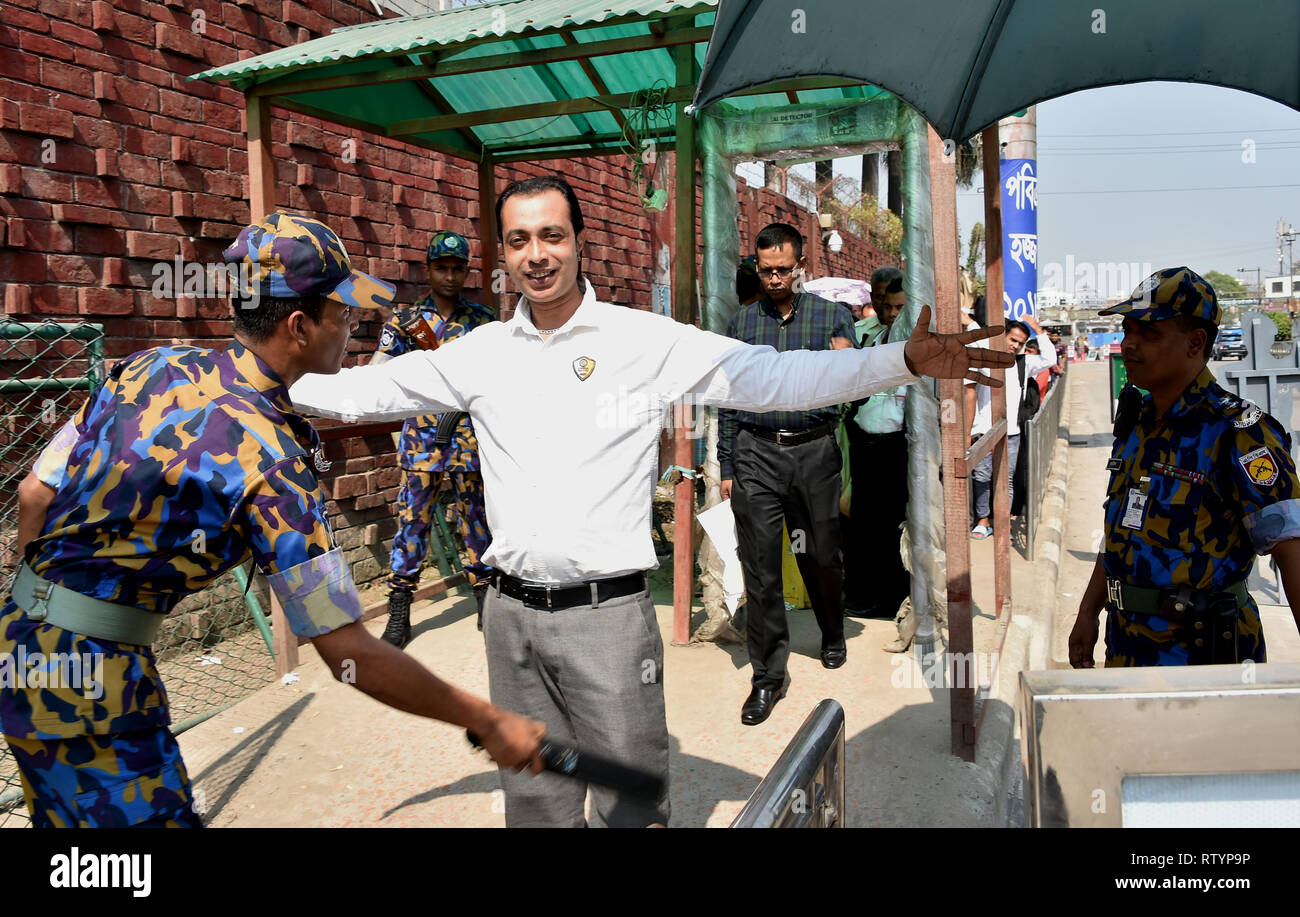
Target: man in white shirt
[
  {"x": 568, "y": 399},
  {"x": 980, "y": 404}
]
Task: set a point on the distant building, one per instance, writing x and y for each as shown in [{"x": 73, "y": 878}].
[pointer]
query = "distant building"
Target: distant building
[
  {"x": 1276, "y": 287},
  {"x": 1052, "y": 298}
]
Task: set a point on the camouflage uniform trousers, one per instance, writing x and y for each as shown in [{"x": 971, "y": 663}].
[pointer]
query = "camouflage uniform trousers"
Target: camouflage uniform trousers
[
  {"x": 124, "y": 780},
  {"x": 110, "y": 779},
  {"x": 415, "y": 507}
]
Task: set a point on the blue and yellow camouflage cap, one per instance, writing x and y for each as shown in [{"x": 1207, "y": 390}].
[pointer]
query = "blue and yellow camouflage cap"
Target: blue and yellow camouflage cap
[
  {"x": 290, "y": 255},
  {"x": 447, "y": 244},
  {"x": 1167, "y": 294}
]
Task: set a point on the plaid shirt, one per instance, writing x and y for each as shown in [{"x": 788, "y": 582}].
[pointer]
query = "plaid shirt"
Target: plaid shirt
[{"x": 810, "y": 326}]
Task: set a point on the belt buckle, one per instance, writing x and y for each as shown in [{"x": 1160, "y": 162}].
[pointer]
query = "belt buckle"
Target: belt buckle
[
  {"x": 548, "y": 595},
  {"x": 1115, "y": 593},
  {"x": 40, "y": 608}
]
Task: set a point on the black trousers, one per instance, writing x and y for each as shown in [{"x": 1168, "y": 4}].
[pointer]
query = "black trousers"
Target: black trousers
[
  {"x": 800, "y": 485},
  {"x": 874, "y": 575}
]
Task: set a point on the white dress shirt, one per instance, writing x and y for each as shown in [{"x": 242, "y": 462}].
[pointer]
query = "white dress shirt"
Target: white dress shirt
[
  {"x": 1034, "y": 364},
  {"x": 568, "y": 426}
]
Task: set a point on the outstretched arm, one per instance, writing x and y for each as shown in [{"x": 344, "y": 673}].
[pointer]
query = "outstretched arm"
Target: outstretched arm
[
  {"x": 947, "y": 356},
  {"x": 415, "y": 383},
  {"x": 716, "y": 370},
  {"x": 394, "y": 678}
]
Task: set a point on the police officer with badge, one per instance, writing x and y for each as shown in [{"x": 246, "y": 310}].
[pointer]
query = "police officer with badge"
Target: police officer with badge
[
  {"x": 435, "y": 444},
  {"x": 1201, "y": 481}
]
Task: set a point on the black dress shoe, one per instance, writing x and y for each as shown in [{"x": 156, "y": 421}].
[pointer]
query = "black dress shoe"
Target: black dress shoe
[
  {"x": 833, "y": 659},
  {"x": 758, "y": 706},
  {"x": 871, "y": 611}
]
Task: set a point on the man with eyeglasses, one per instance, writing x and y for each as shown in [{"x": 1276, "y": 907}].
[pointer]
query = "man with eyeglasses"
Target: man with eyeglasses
[{"x": 784, "y": 466}]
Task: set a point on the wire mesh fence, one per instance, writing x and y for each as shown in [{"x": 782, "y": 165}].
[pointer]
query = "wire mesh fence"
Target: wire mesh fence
[{"x": 214, "y": 648}]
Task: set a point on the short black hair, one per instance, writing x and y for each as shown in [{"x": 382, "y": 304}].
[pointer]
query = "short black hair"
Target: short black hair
[
  {"x": 775, "y": 235},
  {"x": 1190, "y": 323},
  {"x": 1013, "y": 323},
  {"x": 257, "y": 319},
  {"x": 890, "y": 276},
  {"x": 530, "y": 187}
]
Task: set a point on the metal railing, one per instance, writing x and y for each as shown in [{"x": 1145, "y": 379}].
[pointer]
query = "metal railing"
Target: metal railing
[
  {"x": 805, "y": 788},
  {"x": 1038, "y": 442}
]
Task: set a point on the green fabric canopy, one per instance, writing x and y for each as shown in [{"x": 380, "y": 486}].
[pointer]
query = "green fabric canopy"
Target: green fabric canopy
[{"x": 964, "y": 65}]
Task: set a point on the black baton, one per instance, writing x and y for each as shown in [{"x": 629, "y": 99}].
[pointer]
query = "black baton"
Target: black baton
[{"x": 570, "y": 762}]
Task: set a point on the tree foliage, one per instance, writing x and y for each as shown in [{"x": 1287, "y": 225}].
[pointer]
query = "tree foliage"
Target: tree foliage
[
  {"x": 1225, "y": 285},
  {"x": 1283, "y": 322}
]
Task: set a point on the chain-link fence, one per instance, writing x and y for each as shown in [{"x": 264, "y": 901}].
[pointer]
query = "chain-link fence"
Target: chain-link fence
[{"x": 215, "y": 647}]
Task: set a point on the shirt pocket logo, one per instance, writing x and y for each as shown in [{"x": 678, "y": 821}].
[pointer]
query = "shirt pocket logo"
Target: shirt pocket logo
[{"x": 583, "y": 367}]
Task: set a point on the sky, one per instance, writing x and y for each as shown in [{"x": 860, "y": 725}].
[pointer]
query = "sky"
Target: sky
[{"x": 1159, "y": 175}]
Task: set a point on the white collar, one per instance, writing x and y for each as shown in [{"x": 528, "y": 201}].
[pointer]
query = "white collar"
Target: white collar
[{"x": 585, "y": 316}]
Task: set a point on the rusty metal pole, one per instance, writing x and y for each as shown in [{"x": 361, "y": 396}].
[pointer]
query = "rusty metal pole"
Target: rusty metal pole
[
  {"x": 487, "y": 228},
  {"x": 261, "y": 171},
  {"x": 955, "y": 437},
  {"x": 993, "y": 295},
  {"x": 684, "y": 311}
]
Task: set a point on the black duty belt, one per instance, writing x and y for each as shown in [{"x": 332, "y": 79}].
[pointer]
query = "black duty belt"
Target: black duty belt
[
  {"x": 791, "y": 437},
  {"x": 557, "y": 598}
]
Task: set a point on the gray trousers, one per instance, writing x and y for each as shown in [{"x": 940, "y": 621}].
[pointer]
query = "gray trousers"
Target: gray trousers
[
  {"x": 594, "y": 676},
  {"x": 983, "y": 477}
]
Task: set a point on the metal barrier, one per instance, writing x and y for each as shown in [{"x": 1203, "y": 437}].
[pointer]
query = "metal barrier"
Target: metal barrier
[
  {"x": 1269, "y": 374},
  {"x": 1038, "y": 442},
  {"x": 805, "y": 788},
  {"x": 1194, "y": 746}
]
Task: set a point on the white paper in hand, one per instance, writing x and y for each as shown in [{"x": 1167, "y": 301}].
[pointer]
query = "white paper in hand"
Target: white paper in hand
[{"x": 719, "y": 524}]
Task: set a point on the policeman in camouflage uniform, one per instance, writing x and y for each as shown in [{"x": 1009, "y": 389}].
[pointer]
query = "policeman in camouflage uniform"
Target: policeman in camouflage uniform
[
  {"x": 1201, "y": 482},
  {"x": 435, "y": 444},
  {"x": 184, "y": 463}
]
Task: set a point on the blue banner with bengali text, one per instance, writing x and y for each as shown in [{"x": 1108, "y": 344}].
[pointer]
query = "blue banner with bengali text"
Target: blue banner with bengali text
[{"x": 1019, "y": 237}]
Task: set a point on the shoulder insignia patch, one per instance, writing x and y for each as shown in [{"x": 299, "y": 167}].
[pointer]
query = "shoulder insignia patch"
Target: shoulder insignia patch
[
  {"x": 1259, "y": 466},
  {"x": 386, "y": 339},
  {"x": 1250, "y": 415}
]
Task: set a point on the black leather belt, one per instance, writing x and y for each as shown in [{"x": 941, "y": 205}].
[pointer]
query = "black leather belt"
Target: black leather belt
[
  {"x": 859, "y": 433},
  {"x": 556, "y": 598},
  {"x": 791, "y": 437}
]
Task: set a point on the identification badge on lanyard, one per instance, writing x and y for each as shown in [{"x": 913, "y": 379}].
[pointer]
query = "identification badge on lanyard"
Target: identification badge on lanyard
[{"x": 1135, "y": 509}]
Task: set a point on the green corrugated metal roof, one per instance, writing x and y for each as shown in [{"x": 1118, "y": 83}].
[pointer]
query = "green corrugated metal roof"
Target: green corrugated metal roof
[
  {"x": 489, "y": 22},
  {"x": 382, "y": 76}
]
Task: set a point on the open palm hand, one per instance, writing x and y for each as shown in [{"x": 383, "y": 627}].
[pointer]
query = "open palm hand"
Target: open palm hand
[{"x": 947, "y": 356}]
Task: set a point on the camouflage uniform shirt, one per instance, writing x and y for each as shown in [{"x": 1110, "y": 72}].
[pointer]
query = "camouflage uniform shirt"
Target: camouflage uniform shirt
[
  {"x": 183, "y": 464},
  {"x": 1193, "y": 497}
]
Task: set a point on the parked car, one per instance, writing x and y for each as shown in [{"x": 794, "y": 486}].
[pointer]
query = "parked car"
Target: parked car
[{"x": 1229, "y": 343}]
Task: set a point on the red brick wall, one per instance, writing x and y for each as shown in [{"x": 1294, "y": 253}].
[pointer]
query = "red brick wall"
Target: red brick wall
[
  {"x": 857, "y": 259},
  {"x": 112, "y": 163}
]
